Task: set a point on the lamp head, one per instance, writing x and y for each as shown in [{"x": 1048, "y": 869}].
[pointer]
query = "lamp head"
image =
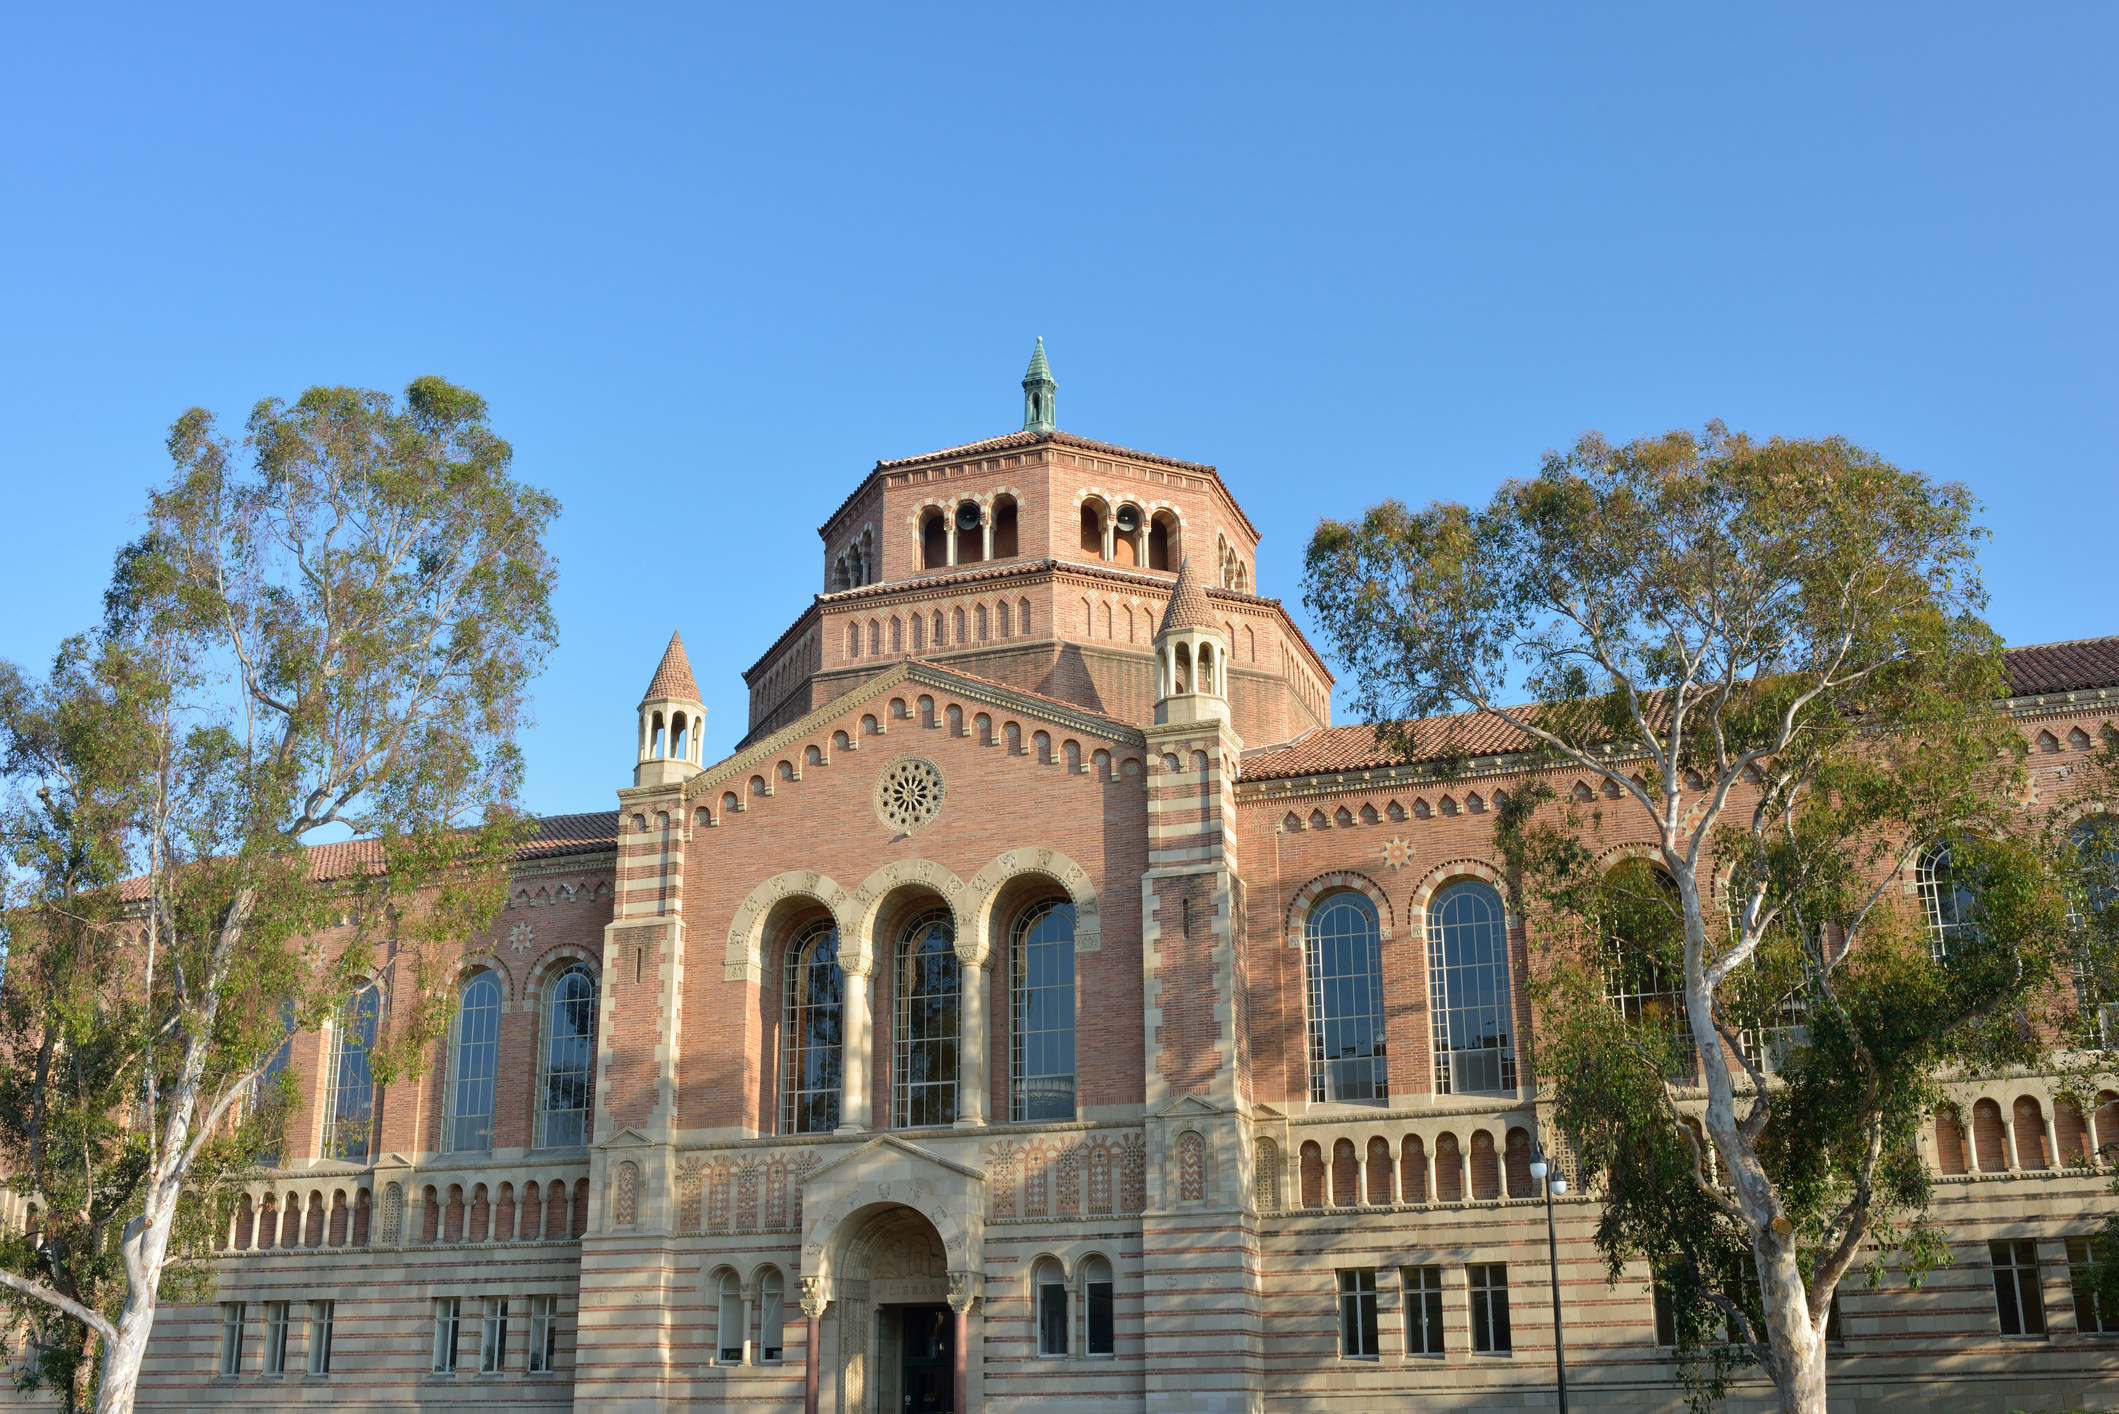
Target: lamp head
[
  {"x": 1559, "y": 1187},
  {"x": 1538, "y": 1167}
]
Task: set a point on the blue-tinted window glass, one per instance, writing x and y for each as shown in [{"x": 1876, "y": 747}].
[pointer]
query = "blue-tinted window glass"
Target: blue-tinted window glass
[
  {"x": 1345, "y": 967},
  {"x": 569, "y": 1060},
  {"x": 924, "y": 1060},
  {"x": 812, "y": 1034},
  {"x": 351, "y": 1133},
  {"x": 1468, "y": 983},
  {"x": 1041, "y": 1032},
  {"x": 477, "y": 1065}
]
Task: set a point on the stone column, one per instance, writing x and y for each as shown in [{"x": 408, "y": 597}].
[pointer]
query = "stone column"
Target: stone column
[
  {"x": 856, "y": 1054},
  {"x": 972, "y": 1067},
  {"x": 964, "y": 1288},
  {"x": 1108, "y": 532},
  {"x": 813, "y": 1304},
  {"x": 986, "y": 529},
  {"x": 2008, "y": 1140}
]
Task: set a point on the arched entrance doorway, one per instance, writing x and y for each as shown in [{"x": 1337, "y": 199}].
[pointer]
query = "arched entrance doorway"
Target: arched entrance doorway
[{"x": 900, "y": 1344}]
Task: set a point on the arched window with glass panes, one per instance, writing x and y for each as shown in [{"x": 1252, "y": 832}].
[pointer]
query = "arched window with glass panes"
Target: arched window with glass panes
[
  {"x": 2093, "y": 915},
  {"x": 566, "y": 1061},
  {"x": 928, "y": 1013},
  {"x": 812, "y": 1032},
  {"x": 474, "y": 1062},
  {"x": 1471, "y": 1002},
  {"x": 1946, "y": 897},
  {"x": 349, "y": 1130},
  {"x": 1041, "y": 1013},
  {"x": 1643, "y": 938},
  {"x": 1343, "y": 952}
]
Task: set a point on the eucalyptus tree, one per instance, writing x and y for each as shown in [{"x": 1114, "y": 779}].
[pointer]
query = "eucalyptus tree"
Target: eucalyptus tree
[
  {"x": 1763, "y": 664},
  {"x": 328, "y": 630}
]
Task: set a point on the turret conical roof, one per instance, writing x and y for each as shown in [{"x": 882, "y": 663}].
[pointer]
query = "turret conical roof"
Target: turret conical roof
[
  {"x": 1188, "y": 602},
  {"x": 1040, "y": 371},
  {"x": 673, "y": 676}
]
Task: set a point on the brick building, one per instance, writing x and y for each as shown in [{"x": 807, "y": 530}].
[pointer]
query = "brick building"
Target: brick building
[{"x": 1045, "y": 1007}]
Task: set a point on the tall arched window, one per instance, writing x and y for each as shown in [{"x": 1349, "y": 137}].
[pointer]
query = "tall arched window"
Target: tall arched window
[
  {"x": 1467, "y": 968},
  {"x": 1344, "y": 962},
  {"x": 2090, "y": 912},
  {"x": 1050, "y": 1284},
  {"x": 568, "y": 1060},
  {"x": 812, "y": 1034},
  {"x": 477, "y": 1065},
  {"x": 1041, "y": 1028},
  {"x": 923, "y": 1068},
  {"x": 728, "y": 1323},
  {"x": 1947, "y": 900},
  {"x": 274, "y": 1069},
  {"x": 2096, "y": 843},
  {"x": 351, "y": 1129},
  {"x": 1096, "y": 1307}
]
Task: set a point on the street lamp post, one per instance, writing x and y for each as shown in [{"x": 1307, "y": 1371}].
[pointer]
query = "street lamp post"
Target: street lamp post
[{"x": 1554, "y": 1185}]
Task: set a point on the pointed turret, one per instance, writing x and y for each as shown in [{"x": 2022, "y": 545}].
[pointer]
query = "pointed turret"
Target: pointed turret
[
  {"x": 673, "y": 675},
  {"x": 1188, "y": 606},
  {"x": 1039, "y": 391},
  {"x": 671, "y": 716},
  {"x": 1191, "y": 655}
]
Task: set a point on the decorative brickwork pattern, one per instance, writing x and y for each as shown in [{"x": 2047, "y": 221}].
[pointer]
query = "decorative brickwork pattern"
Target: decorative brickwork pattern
[
  {"x": 689, "y": 1191},
  {"x": 1191, "y": 1167},
  {"x": 1099, "y": 1177},
  {"x": 1132, "y": 1174},
  {"x": 1000, "y": 1179},
  {"x": 1037, "y": 1193}
]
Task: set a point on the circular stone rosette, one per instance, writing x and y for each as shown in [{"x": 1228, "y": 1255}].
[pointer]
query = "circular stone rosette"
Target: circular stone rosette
[{"x": 908, "y": 794}]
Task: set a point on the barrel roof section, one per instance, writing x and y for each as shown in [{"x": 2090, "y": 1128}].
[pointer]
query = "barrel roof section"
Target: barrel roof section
[{"x": 2076, "y": 665}]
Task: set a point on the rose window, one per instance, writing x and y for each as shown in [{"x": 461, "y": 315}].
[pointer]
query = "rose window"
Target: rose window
[{"x": 908, "y": 794}]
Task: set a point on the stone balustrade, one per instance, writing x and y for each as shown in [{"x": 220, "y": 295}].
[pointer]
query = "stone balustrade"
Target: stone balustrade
[{"x": 400, "y": 1206}]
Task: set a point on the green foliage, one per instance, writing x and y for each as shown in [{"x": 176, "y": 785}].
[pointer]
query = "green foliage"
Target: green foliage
[
  {"x": 338, "y": 637},
  {"x": 1773, "y": 652}
]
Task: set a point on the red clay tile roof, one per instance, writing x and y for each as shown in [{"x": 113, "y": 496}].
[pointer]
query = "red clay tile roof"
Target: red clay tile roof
[
  {"x": 673, "y": 675},
  {"x": 1012, "y": 440},
  {"x": 2078, "y": 665},
  {"x": 1355, "y": 748},
  {"x": 556, "y": 837},
  {"x": 2074, "y": 666},
  {"x": 1188, "y": 603}
]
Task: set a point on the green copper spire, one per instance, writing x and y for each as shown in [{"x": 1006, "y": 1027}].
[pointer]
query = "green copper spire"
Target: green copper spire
[{"x": 1038, "y": 390}]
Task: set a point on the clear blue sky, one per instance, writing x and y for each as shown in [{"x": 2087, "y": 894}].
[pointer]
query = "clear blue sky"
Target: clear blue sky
[{"x": 708, "y": 266}]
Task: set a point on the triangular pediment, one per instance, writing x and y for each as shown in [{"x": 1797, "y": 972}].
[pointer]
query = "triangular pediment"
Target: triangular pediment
[
  {"x": 892, "y": 1141},
  {"x": 1187, "y": 1105},
  {"x": 627, "y": 1138},
  {"x": 1015, "y": 702}
]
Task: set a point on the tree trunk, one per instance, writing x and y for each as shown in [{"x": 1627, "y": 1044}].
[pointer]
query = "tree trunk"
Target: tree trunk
[
  {"x": 1798, "y": 1364},
  {"x": 145, "y": 1247},
  {"x": 1795, "y": 1350}
]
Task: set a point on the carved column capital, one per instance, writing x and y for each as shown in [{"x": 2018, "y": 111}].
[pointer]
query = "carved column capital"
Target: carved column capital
[
  {"x": 965, "y": 1287},
  {"x": 815, "y": 1297}
]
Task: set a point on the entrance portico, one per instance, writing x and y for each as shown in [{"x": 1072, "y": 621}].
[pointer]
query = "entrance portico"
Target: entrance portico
[{"x": 892, "y": 1238}]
